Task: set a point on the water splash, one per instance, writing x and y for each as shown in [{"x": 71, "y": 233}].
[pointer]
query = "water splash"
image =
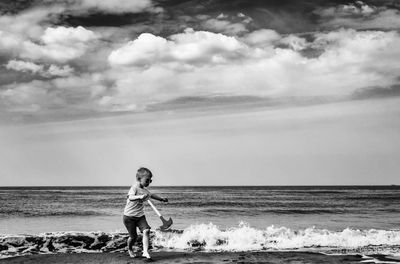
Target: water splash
[{"x": 245, "y": 237}]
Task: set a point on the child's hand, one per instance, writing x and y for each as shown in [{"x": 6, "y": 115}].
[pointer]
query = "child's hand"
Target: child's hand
[{"x": 144, "y": 197}]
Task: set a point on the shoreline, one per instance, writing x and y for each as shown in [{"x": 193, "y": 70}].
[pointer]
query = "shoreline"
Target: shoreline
[
  {"x": 275, "y": 257},
  {"x": 243, "y": 239}
]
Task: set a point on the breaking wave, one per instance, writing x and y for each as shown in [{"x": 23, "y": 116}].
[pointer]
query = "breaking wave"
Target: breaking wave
[
  {"x": 245, "y": 237},
  {"x": 209, "y": 237}
]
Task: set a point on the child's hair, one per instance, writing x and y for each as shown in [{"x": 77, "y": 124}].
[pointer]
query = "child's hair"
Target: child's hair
[{"x": 143, "y": 172}]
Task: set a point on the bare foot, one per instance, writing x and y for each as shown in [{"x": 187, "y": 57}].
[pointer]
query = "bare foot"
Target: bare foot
[
  {"x": 132, "y": 254},
  {"x": 147, "y": 256}
]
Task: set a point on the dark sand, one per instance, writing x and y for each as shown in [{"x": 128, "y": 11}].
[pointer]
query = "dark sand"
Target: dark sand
[{"x": 196, "y": 257}]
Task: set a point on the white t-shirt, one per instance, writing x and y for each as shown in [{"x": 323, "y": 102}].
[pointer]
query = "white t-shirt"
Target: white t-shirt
[{"x": 135, "y": 208}]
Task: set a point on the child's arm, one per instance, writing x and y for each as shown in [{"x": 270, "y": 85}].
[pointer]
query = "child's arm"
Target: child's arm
[
  {"x": 137, "y": 197},
  {"x": 159, "y": 198}
]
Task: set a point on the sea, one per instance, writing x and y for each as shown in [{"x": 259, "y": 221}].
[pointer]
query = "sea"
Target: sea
[{"x": 333, "y": 219}]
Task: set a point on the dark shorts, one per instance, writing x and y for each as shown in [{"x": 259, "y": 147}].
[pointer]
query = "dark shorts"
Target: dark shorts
[{"x": 132, "y": 222}]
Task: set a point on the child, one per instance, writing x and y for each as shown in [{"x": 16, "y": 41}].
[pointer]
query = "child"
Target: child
[{"x": 133, "y": 213}]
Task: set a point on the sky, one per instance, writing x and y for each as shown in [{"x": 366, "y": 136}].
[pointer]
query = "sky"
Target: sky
[{"x": 203, "y": 92}]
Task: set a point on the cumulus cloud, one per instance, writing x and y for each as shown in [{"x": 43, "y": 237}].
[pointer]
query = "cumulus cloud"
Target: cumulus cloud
[
  {"x": 55, "y": 70},
  {"x": 190, "y": 47},
  {"x": 127, "y": 69},
  {"x": 27, "y": 66},
  {"x": 359, "y": 16},
  {"x": 59, "y": 44},
  {"x": 294, "y": 42},
  {"x": 30, "y": 44},
  {"x": 152, "y": 69},
  {"x": 24, "y": 66},
  {"x": 30, "y": 23},
  {"x": 144, "y": 50},
  {"x": 16, "y": 30},
  {"x": 66, "y": 35},
  {"x": 9, "y": 43},
  {"x": 349, "y": 60},
  {"x": 262, "y": 37}
]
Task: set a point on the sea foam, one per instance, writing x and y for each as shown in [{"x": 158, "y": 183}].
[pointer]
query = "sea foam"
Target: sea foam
[
  {"x": 244, "y": 237},
  {"x": 209, "y": 237}
]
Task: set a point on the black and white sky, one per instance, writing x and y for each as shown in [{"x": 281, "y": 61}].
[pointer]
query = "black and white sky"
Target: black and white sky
[{"x": 289, "y": 91}]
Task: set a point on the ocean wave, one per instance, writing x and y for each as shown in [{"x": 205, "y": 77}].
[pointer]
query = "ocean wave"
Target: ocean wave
[
  {"x": 209, "y": 237},
  {"x": 245, "y": 237}
]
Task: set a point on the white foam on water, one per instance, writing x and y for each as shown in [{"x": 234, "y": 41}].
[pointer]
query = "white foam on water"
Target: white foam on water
[
  {"x": 209, "y": 237},
  {"x": 244, "y": 237}
]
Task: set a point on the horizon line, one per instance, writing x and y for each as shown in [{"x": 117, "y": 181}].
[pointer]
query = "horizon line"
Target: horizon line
[{"x": 305, "y": 185}]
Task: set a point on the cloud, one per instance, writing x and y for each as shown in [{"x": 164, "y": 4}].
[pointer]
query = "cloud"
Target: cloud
[
  {"x": 66, "y": 35},
  {"x": 144, "y": 50},
  {"x": 117, "y": 104},
  {"x": 294, "y": 42},
  {"x": 55, "y": 70},
  {"x": 359, "y": 16},
  {"x": 117, "y": 6},
  {"x": 190, "y": 47},
  {"x": 224, "y": 26},
  {"x": 261, "y": 63},
  {"x": 9, "y": 43},
  {"x": 349, "y": 10},
  {"x": 262, "y": 37},
  {"x": 52, "y": 70},
  {"x": 232, "y": 25},
  {"x": 65, "y": 93},
  {"x": 30, "y": 23},
  {"x": 87, "y": 7},
  {"x": 24, "y": 66},
  {"x": 132, "y": 67},
  {"x": 59, "y": 44},
  {"x": 377, "y": 92},
  {"x": 26, "y": 97},
  {"x": 151, "y": 69},
  {"x": 26, "y": 27}
]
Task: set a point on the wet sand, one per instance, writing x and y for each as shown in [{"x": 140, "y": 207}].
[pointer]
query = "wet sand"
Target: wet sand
[{"x": 186, "y": 257}]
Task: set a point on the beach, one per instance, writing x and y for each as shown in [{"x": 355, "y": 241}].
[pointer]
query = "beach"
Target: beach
[{"x": 200, "y": 257}]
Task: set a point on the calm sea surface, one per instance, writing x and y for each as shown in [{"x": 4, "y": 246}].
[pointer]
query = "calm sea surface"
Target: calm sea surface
[{"x": 31, "y": 210}]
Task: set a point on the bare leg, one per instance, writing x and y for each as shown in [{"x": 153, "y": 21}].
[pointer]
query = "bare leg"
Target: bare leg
[
  {"x": 131, "y": 242},
  {"x": 146, "y": 243}
]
